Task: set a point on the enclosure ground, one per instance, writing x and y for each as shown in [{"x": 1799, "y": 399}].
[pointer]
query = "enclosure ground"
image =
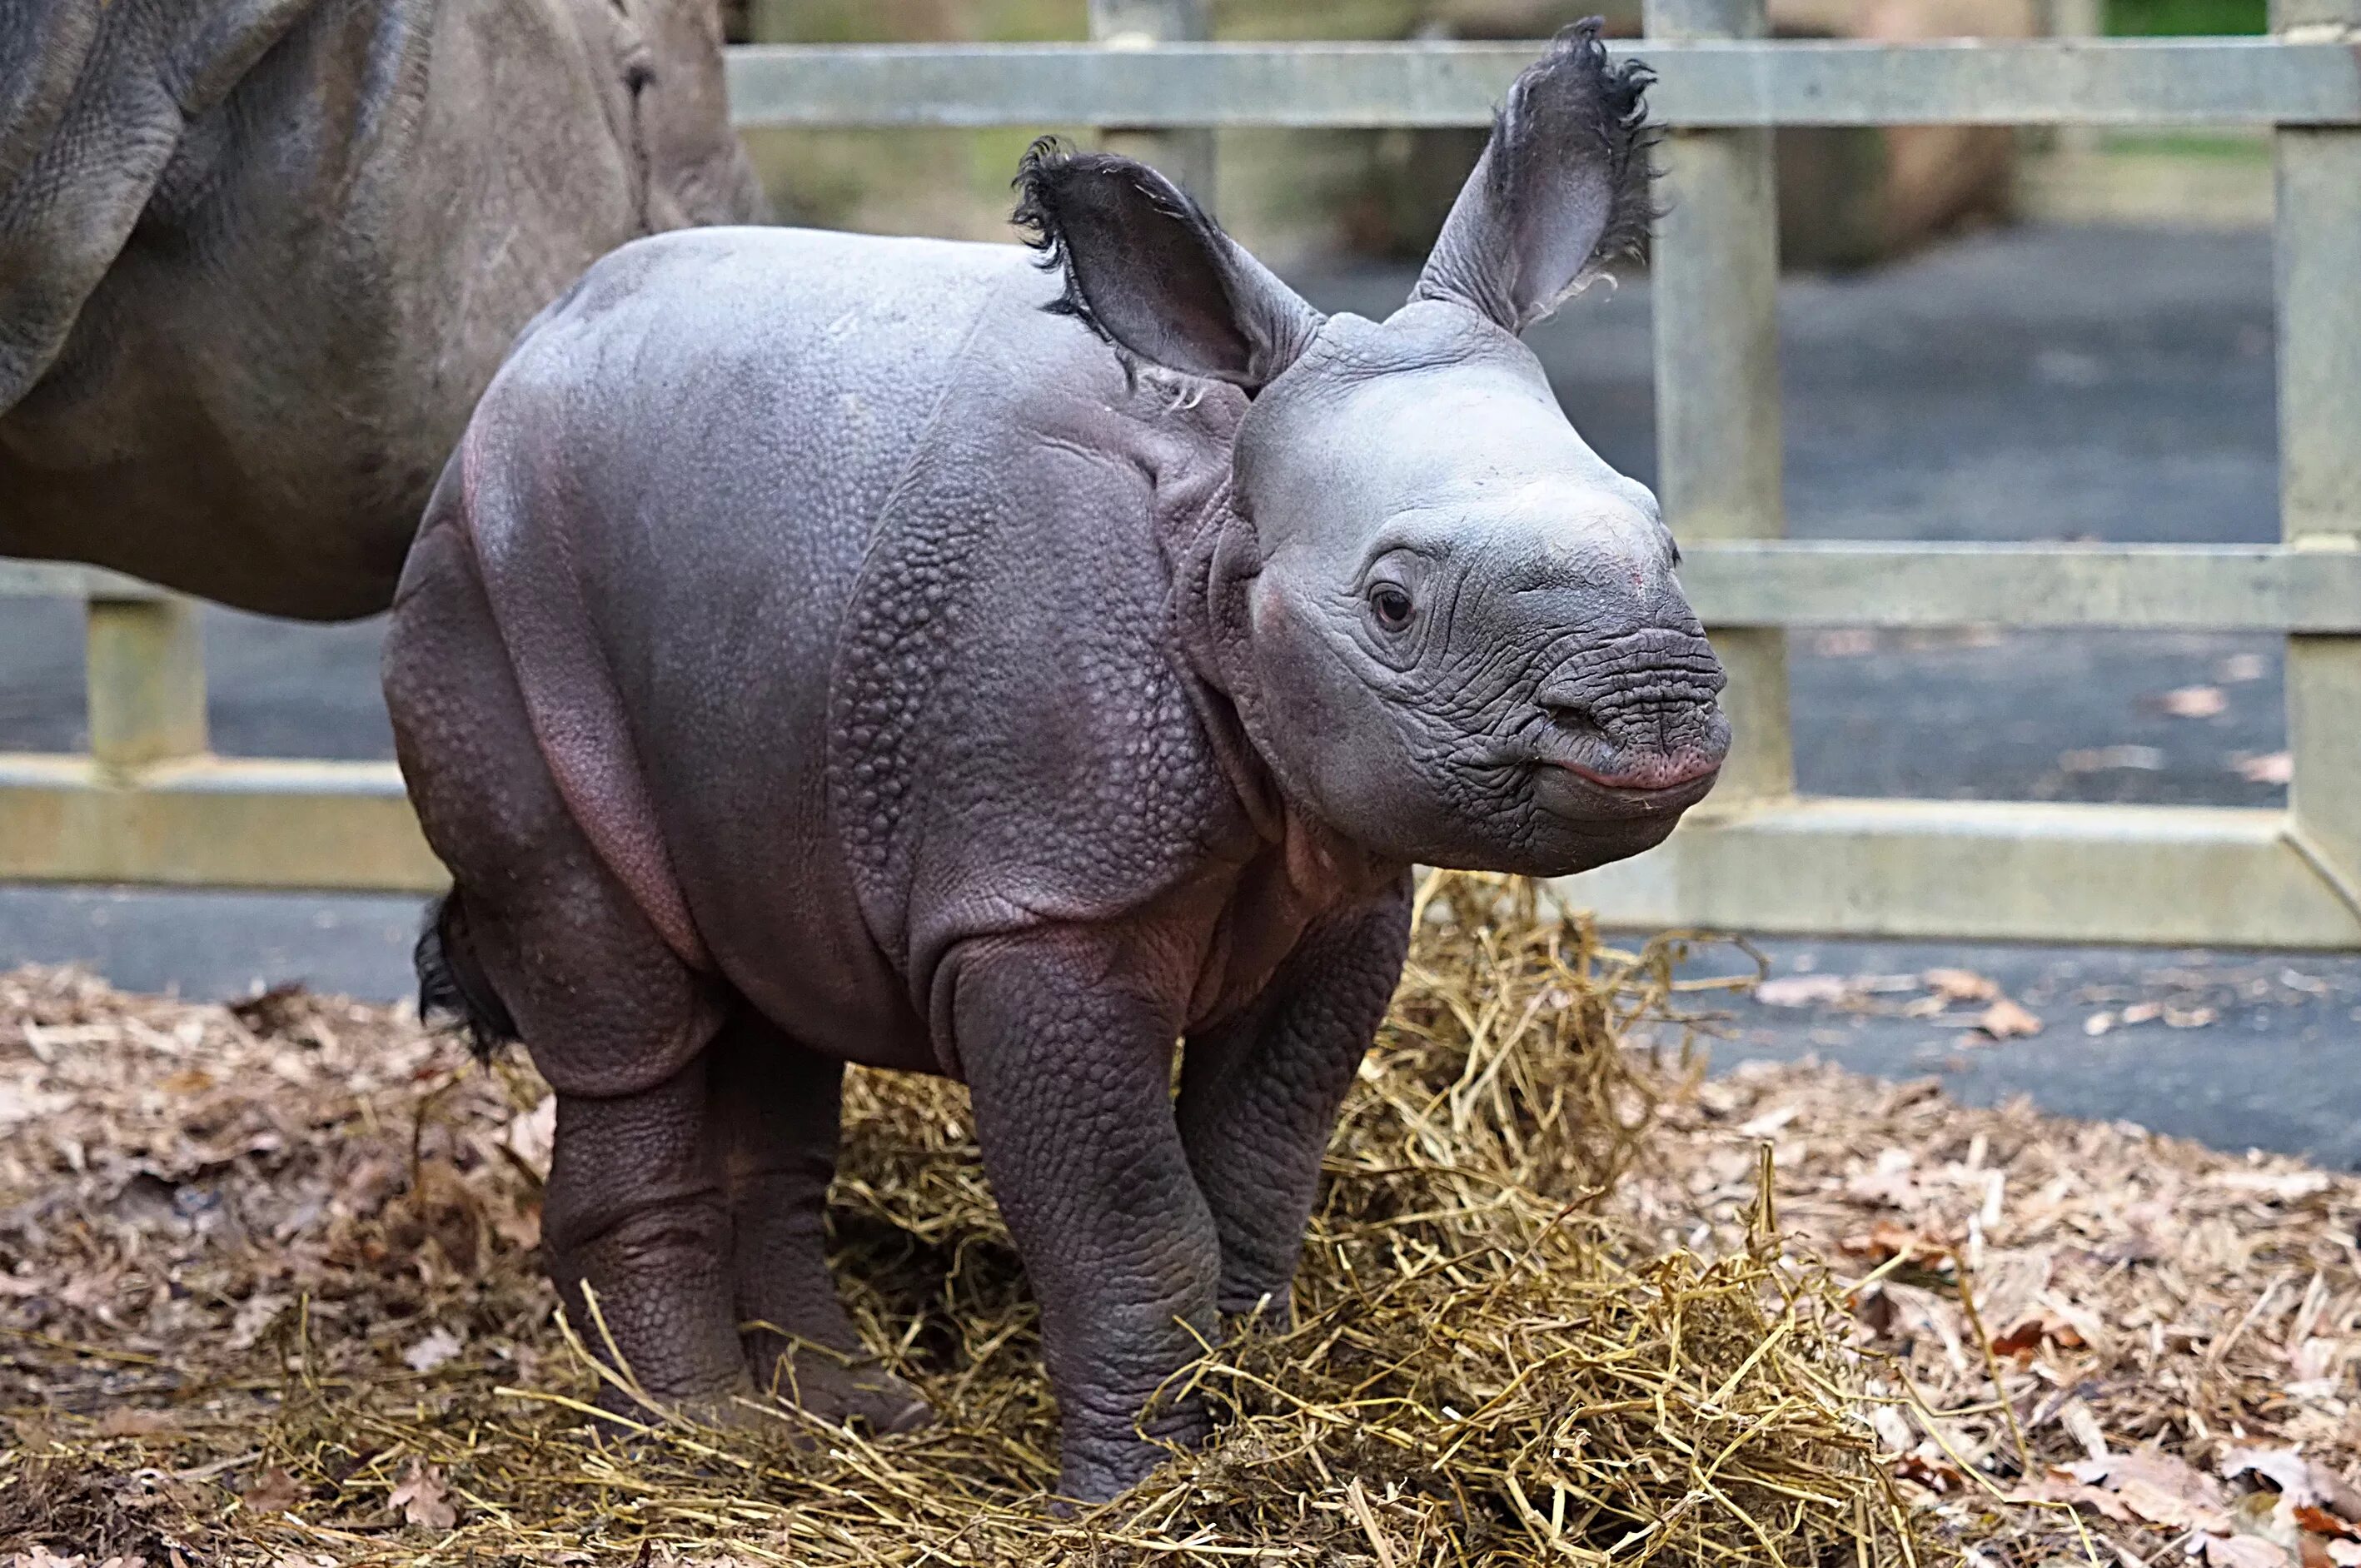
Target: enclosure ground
[{"x": 267, "y": 1297}]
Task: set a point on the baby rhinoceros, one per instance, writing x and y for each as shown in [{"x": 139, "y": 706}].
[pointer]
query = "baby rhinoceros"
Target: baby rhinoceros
[{"x": 829, "y": 649}]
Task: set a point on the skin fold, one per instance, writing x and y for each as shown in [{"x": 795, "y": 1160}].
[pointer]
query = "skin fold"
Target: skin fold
[
  {"x": 825, "y": 648},
  {"x": 259, "y": 258}
]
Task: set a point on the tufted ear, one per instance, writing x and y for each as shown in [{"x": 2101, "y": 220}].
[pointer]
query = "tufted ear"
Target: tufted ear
[
  {"x": 1561, "y": 190},
  {"x": 1148, "y": 270}
]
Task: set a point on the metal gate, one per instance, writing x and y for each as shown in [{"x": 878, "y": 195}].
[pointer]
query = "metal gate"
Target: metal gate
[{"x": 148, "y": 805}]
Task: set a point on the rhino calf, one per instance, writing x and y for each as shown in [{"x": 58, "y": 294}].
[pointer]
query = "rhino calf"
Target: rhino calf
[{"x": 826, "y": 648}]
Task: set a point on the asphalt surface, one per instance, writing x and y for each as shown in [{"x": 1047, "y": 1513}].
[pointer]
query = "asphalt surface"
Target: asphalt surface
[{"x": 2030, "y": 384}]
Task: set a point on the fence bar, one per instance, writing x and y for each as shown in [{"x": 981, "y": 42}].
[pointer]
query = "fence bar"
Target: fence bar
[
  {"x": 67, "y": 580},
  {"x": 2319, "y": 264},
  {"x": 2130, "y": 587},
  {"x": 2000, "y": 870},
  {"x": 144, "y": 678},
  {"x": 213, "y": 822},
  {"x": 1704, "y": 82},
  {"x": 1715, "y": 274}
]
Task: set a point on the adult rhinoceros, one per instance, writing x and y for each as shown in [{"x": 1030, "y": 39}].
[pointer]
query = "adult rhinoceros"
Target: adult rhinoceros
[{"x": 258, "y": 257}]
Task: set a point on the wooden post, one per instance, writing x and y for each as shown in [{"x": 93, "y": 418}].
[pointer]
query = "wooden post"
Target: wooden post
[
  {"x": 144, "y": 681},
  {"x": 1714, "y": 277},
  {"x": 2319, "y": 267},
  {"x": 2078, "y": 19},
  {"x": 1184, "y": 157}
]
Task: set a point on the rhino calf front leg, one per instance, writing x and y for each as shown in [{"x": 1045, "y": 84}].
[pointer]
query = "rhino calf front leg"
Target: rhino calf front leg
[
  {"x": 1260, "y": 1092},
  {"x": 1071, "y": 1068}
]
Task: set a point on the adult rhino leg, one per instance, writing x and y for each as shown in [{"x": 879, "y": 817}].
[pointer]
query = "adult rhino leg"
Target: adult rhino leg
[
  {"x": 1260, "y": 1092},
  {"x": 633, "y": 1215},
  {"x": 1068, "y": 1058},
  {"x": 774, "y": 1107}
]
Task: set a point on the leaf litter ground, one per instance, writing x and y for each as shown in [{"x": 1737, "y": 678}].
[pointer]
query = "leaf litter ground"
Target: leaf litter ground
[{"x": 267, "y": 1296}]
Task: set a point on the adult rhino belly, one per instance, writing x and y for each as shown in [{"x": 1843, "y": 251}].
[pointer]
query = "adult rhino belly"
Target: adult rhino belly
[{"x": 740, "y": 404}]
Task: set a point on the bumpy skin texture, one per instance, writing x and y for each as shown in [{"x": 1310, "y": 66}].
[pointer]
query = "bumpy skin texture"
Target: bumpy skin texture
[
  {"x": 821, "y": 649},
  {"x": 259, "y": 258}
]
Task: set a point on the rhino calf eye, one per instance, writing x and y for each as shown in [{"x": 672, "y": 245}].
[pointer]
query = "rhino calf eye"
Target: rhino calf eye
[{"x": 1390, "y": 605}]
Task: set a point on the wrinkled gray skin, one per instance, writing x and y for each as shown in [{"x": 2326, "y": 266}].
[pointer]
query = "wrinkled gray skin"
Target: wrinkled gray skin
[
  {"x": 259, "y": 258},
  {"x": 819, "y": 651}
]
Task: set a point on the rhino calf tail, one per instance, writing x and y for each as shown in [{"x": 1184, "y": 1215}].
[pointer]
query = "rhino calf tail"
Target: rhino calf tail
[{"x": 452, "y": 986}]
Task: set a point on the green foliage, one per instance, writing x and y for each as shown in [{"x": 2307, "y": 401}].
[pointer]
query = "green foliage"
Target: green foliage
[{"x": 2177, "y": 17}]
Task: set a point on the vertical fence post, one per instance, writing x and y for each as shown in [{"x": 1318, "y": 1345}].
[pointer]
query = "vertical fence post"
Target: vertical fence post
[
  {"x": 2319, "y": 286},
  {"x": 2077, "y": 19},
  {"x": 1714, "y": 278},
  {"x": 144, "y": 681},
  {"x": 1185, "y": 157}
]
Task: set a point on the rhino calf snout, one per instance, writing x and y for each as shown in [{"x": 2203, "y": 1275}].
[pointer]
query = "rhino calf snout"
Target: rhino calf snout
[{"x": 1641, "y": 717}]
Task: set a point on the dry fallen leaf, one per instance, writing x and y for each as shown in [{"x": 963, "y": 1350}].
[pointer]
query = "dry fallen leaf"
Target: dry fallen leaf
[
  {"x": 130, "y": 1420},
  {"x": 272, "y": 1491},
  {"x": 2276, "y": 1185},
  {"x": 2269, "y": 768},
  {"x": 2033, "y": 1333},
  {"x": 2058, "y": 1488},
  {"x": 422, "y": 1499},
  {"x": 2160, "y": 1488},
  {"x": 2307, "y": 1484},
  {"x": 1960, "y": 985},
  {"x": 532, "y": 1135},
  {"x": 2239, "y": 668},
  {"x": 1887, "y": 1239},
  {"x": 2282, "y": 1467},
  {"x": 2005, "y": 1020},
  {"x": 2245, "y": 1552},
  {"x": 2194, "y": 702}
]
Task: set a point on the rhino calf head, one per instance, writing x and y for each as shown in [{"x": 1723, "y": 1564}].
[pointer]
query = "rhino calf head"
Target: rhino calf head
[{"x": 1458, "y": 637}]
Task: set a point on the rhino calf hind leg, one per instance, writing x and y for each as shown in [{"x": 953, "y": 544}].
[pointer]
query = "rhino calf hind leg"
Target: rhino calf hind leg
[
  {"x": 635, "y": 1207},
  {"x": 635, "y": 1213},
  {"x": 774, "y": 1107}
]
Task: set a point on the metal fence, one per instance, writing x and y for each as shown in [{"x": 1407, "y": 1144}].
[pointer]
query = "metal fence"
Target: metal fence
[{"x": 149, "y": 806}]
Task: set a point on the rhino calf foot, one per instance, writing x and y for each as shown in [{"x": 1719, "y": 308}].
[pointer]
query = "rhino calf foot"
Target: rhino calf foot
[
  {"x": 1102, "y": 1460},
  {"x": 836, "y": 1388}
]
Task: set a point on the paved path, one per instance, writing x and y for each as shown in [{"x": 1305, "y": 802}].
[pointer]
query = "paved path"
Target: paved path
[{"x": 2047, "y": 383}]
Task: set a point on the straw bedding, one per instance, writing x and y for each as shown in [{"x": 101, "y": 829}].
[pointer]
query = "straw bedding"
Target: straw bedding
[{"x": 267, "y": 1296}]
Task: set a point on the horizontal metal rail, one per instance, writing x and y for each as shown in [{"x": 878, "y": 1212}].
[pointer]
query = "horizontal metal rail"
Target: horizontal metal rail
[
  {"x": 2005, "y": 870},
  {"x": 206, "y": 821},
  {"x": 2148, "y": 82},
  {"x": 2141, "y": 588},
  {"x": 59, "y": 579}
]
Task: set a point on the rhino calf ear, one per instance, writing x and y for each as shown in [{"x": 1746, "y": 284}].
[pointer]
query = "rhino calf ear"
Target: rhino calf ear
[
  {"x": 1148, "y": 270},
  {"x": 1561, "y": 190}
]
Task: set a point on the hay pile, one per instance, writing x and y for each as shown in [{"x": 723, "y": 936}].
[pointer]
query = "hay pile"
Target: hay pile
[{"x": 266, "y": 1296}]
